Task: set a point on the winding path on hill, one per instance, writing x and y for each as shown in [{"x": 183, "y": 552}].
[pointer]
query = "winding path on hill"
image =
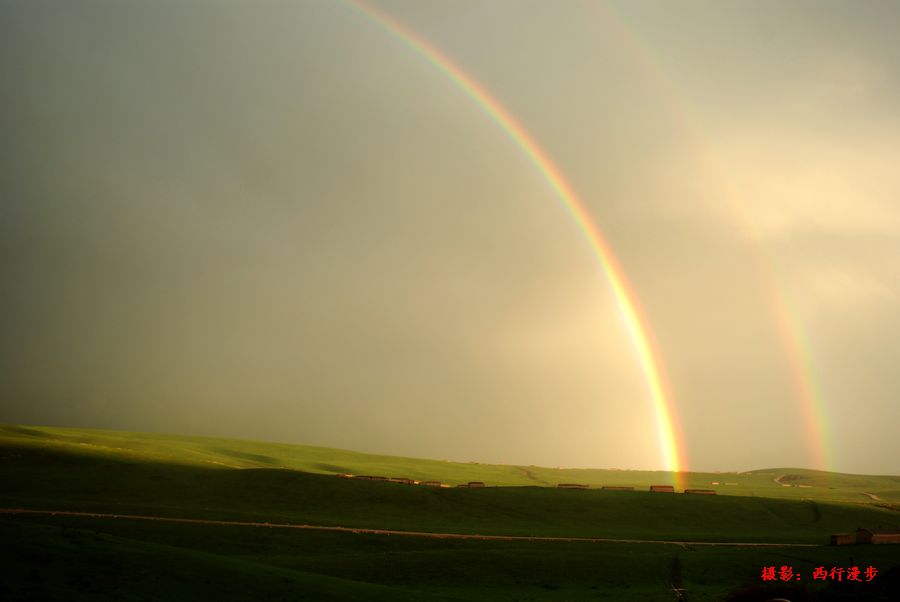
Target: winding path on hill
[
  {"x": 366, "y": 531},
  {"x": 530, "y": 475}
]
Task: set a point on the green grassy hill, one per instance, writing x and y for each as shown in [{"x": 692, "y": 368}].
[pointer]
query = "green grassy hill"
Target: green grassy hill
[
  {"x": 49, "y": 479},
  {"x": 80, "y": 558},
  {"x": 232, "y": 453}
]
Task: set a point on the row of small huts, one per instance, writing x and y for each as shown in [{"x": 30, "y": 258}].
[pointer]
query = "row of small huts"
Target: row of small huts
[
  {"x": 406, "y": 481},
  {"x": 480, "y": 484},
  {"x": 653, "y": 488}
]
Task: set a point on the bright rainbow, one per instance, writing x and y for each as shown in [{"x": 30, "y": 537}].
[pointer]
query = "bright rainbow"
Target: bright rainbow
[{"x": 671, "y": 447}]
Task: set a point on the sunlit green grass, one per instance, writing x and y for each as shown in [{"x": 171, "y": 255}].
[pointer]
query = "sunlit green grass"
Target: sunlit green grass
[{"x": 231, "y": 453}]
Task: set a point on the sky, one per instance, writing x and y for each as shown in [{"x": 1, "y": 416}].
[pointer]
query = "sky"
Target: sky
[{"x": 280, "y": 220}]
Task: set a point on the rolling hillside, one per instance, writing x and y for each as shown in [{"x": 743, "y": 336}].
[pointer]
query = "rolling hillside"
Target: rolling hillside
[
  {"x": 90, "y": 558},
  {"x": 232, "y": 453}
]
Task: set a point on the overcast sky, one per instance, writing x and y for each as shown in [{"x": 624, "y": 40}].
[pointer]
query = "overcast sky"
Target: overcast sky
[{"x": 275, "y": 220}]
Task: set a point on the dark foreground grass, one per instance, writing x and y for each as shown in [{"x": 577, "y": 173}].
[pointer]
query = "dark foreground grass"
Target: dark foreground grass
[
  {"x": 91, "y": 559},
  {"x": 48, "y": 562}
]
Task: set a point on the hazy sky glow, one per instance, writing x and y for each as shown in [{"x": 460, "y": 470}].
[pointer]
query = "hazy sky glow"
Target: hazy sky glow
[{"x": 276, "y": 220}]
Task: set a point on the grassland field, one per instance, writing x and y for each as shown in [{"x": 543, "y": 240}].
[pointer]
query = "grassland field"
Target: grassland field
[{"x": 78, "y": 558}]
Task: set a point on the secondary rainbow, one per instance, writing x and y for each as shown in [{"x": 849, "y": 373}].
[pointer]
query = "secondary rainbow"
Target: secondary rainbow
[
  {"x": 671, "y": 447},
  {"x": 797, "y": 353}
]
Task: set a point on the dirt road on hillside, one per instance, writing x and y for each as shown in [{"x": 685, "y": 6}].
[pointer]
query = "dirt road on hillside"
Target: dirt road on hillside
[{"x": 364, "y": 531}]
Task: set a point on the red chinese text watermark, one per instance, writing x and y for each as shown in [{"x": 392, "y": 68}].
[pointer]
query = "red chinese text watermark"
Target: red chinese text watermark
[{"x": 821, "y": 573}]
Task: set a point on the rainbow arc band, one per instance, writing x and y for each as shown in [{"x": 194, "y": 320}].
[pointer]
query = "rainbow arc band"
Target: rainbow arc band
[{"x": 670, "y": 443}]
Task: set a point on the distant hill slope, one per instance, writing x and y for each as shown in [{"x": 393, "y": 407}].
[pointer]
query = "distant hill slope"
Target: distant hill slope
[
  {"x": 791, "y": 483},
  {"x": 57, "y": 479}
]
